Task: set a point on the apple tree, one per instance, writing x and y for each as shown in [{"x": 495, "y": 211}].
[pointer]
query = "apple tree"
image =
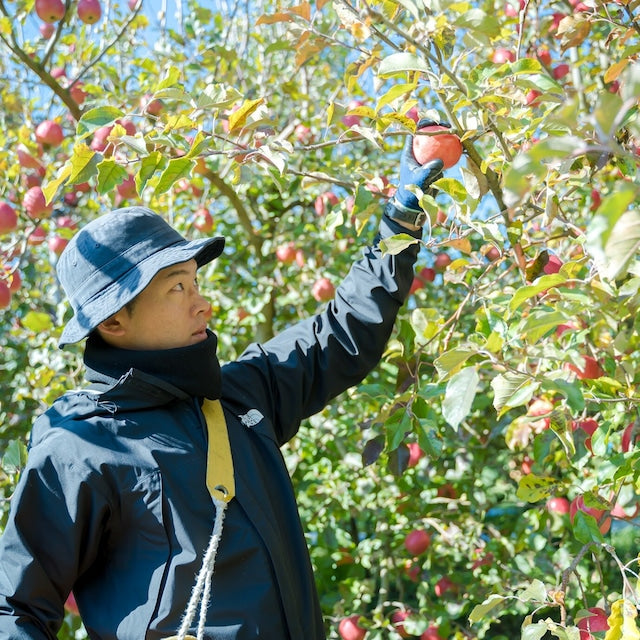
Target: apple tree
[{"x": 482, "y": 482}]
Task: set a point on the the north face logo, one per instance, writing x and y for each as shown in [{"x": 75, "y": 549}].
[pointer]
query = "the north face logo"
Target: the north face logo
[{"x": 251, "y": 418}]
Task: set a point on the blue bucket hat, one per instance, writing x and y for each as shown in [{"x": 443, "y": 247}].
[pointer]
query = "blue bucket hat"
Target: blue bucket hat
[{"x": 114, "y": 257}]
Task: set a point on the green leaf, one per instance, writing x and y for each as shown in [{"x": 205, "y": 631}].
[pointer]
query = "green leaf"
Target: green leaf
[
  {"x": 542, "y": 284},
  {"x": 572, "y": 391},
  {"x": 585, "y": 528},
  {"x": 395, "y": 244},
  {"x": 512, "y": 389},
  {"x": 110, "y": 175},
  {"x": 38, "y": 322},
  {"x": 51, "y": 188},
  {"x": 171, "y": 78},
  {"x": 84, "y": 163},
  {"x": 172, "y": 93},
  {"x": 452, "y": 187},
  {"x": 533, "y": 488},
  {"x": 461, "y": 390},
  {"x": 15, "y": 457},
  {"x": 96, "y": 118},
  {"x": 535, "y": 591},
  {"x": 177, "y": 168},
  {"x": 534, "y": 631},
  {"x": 410, "y": 7},
  {"x": 539, "y": 323},
  {"x": 623, "y": 244},
  {"x": 401, "y": 63},
  {"x": 137, "y": 143},
  {"x": 149, "y": 165},
  {"x": 478, "y": 20},
  {"x": 448, "y": 362},
  {"x": 481, "y": 610}
]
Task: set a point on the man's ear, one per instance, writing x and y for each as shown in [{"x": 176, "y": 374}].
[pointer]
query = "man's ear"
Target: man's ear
[{"x": 112, "y": 327}]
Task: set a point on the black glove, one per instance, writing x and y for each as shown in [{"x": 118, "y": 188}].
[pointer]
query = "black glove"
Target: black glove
[{"x": 404, "y": 205}]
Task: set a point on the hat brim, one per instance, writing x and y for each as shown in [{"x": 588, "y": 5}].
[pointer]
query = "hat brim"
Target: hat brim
[{"x": 125, "y": 289}]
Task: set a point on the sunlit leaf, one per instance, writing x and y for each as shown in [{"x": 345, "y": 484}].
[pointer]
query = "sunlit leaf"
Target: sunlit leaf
[
  {"x": 461, "y": 391},
  {"x": 95, "y": 118},
  {"x": 401, "y": 63},
  {"x": 176, "y": 169},
  {"x": 396, "y": 244},
  {"x": 533, "y": 488}
]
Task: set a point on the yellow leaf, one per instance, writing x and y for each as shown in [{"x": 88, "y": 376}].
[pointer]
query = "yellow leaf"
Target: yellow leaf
[
  {"x": 238, "y": 118},
  {"x": 615, "y": 70},
  {"x": 622, "y": 624},
  {"x": 274, "y": 18},
  {"x": 52, "y": 187},
  {"x": 461, "y": 244},
  {"x": 303, "y": 10}
]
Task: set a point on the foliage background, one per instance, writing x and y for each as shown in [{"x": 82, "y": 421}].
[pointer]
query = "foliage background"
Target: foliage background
[{"x": 253, "y": 129}]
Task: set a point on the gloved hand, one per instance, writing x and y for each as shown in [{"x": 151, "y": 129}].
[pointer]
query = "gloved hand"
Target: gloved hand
[{"x": 404, "y": 205}]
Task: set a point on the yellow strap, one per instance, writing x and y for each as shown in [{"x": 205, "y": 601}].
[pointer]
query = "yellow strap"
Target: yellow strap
[{"x": 220, "y": 480}]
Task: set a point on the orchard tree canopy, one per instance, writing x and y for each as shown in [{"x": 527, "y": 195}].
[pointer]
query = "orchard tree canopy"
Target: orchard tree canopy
[{"x": 484, "y": 480}]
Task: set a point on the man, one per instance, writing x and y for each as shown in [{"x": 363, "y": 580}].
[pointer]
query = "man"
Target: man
[{"x": 113, "y": 503}]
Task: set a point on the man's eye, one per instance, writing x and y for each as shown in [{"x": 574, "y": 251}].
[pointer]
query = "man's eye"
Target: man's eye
[{"x": 179, "y": 286}]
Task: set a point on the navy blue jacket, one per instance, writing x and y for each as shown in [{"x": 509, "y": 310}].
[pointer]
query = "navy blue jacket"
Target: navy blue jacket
[{"x": 113, "y": 502}]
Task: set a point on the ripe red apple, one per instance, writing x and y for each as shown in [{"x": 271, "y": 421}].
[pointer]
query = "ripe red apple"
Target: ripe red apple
[
  {"x": 596, "y": 200},
  {"x": 397, "y": 618},
  {"x": 630, "y": 437},
  {"x": 99, "y": 141},
  {"x": 8, "y": 218},
  {"x": 443, "y": 585},
  {"x": 37, "y": 236},
  {"x": 350, "y": 120},
  {"x": 323, "y": 290},
  {"x": 128, "y": 125},
  {"x": 47, "y": 29},
  {"x": 77, "y": 92},
  {"x": 441, "y": 261},
  {"x": 541, "y": 407},
  {"x": 501, "y": 55},
  {"x": 431, "y": 633},
  {"x": 531, "y": 98},
  {"x": 57, "y": 244},
  {"x": 324, "y": 202},
  {"x": 444, "y": 146},
  {"x": 589, "y": 371},
  {"x": 49, "y": 133},
  {"x": 26, "y": 159},
  {"x": 127, "y": 188},
  {"x": 553, "y": 264},
  {"x": 5, "y": 294},
  {"x": 426, "y": 274},
  {"x": 544, "y": 55},
  {"x": 203, "y": 220},
  {"x": 50, "y": 10},
  {"x": 152, "y": 106},
  {"x": 417, "y": 541},
  {"x": 482, "y": 559},
  {"x": 588, "y": 425},
  {"x": 415, "y": 454},
  {"x": 286, "y": 253},
  {"x": 558, "y": 505},
  {"x": 561, "y": 71},
  {"x": 303, "y": 133},
  {"x": 595, "y": 622},
  {"x": 349, "y": 629},
  {"x": 89, "y": 11},
  {"x": 35, "y": 203},
  {"x": 577, "y": 504},
  {"x": 14, "y": 280}
]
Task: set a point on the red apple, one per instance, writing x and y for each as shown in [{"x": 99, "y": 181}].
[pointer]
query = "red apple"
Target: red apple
[
  {"x": 544, "y": 55},
  {"x": 397, "y": 618},
  {"x": 577, "y": 504},
  {"x": 630, "y": 437},
  {"x": 127, "y": 188},
  {"x": 415, "y": 454},
  {"x": 49, "y": 133},
  {"x": 501, "y": 55},
  {"x": 8, "y": 218},
  {"x": 541, "y": 407},
  {"x": 323, "y": 290},
  {"x": 596, "y": 199},
  {"x": 443, "y": 585},
  {"x": 482, "y": 559},
  {"x": 558, "y": 505},
  {"x": 350, "y": 120},
  {"x": 324, "y": 202},
  {"x": 532, "y": 97},
  {"x": 589, "y": 371},
  {"x": 588, "y": 425},
  {"x": 553, "y": 264},
  {"x": 5, "y": 294},
  {"x": 50, "y": 10},
  {"x": 444, "y": 146},
  {"x": 128, "y": 125},
  {"x": 561, "y": 71},
  {"x": 47, "y": 29},
  {"x": 57, "y": 244},
  {"x": 597, "y": 621},
  {"x": 152, "y": 106},
  {"x": 26, "y": 159},
  {"x": 89, "y": 11},
  {"x": 203, "y": 220},
  {"x": 99, "y": 141},
  {"x": 303, "y": 134},
  {"x": 78, "y": 94},
  {"x": 349, "y": 629},
  {"x": 447, "y": 490},
  {"x": 58, "y": 72},
  {"x": 417, "y": 541},
  {"x": 286, "y": 253},
  {"x": 431, "y": 633},
  {"x": 35, "y": 204},
  {"x": 37, "y": 236},
  {"x": 14, "y": 280},
  {"x": 442, "y": 261}
]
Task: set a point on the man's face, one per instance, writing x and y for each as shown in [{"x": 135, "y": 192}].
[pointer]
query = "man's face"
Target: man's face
[{"x": 169, "y": 313}]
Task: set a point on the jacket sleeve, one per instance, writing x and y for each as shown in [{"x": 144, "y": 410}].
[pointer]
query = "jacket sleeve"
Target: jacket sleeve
[
  {"x": 43, "y": 547},
  {"x": 311, "y": 362}
]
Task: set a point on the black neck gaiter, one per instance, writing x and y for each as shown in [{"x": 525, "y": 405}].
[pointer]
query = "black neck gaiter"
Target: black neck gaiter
[{"x": 194, "y": 369}]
